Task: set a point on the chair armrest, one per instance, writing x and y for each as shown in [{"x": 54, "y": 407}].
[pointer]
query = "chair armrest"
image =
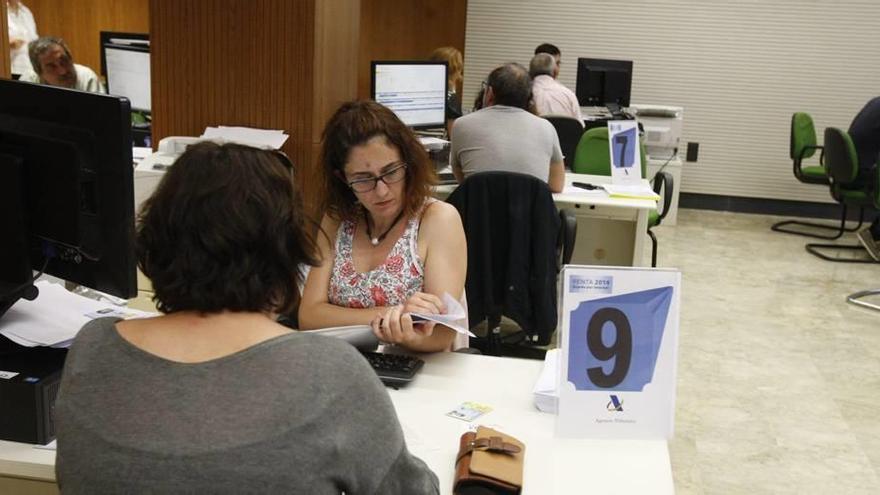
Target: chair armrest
[
  {"x": 566, "y": 238},
  {"x": 665, "y": 183}
]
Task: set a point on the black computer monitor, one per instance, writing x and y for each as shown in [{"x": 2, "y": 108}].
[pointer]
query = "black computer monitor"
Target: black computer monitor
[
  {"x": 603, "y": 82},
  {"x": 66, "y": 190},
  {"x": 125, "y": 63},
  {"x": 414, "y": 90}
]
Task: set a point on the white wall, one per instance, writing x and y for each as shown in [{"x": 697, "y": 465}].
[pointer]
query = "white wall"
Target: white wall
[{"x": 739, "y": 68}]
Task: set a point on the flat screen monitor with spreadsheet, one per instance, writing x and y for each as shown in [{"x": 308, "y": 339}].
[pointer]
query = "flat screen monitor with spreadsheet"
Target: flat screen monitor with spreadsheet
[
  {"x": 414, "y": 91},
  {"x": 125, "y": 62}
]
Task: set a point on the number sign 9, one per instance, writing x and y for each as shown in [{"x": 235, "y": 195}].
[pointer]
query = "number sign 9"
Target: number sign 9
[{"x": 636, "y": 321}]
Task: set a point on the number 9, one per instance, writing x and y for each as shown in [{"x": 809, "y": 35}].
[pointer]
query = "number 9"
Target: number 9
[{"x": 621, "y": 350}]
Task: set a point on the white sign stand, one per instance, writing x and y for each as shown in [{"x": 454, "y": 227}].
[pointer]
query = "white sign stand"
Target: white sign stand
[
  {"x": 623, "y": 145},
  {"x": 619, "y": 344}
]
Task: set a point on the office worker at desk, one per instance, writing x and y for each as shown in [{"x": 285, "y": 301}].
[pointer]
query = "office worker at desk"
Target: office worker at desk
[
  {"x": 865, "y": 133},
  {"x": 551, "y": 97},
  {"x": 390, "y": 249},
  {"x": 52, "y": 64},
  {"x": 214, "y": 396},
  {"x": 504, "y": 136}
]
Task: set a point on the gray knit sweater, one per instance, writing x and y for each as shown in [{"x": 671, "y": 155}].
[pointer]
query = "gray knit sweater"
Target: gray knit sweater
[{"x": 294, "y": 414}]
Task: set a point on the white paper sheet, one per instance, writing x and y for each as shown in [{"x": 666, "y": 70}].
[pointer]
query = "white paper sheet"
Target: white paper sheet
[
  {"x": 54, "y": 317},
  {"x": 260, "y": 138},
  {"x": 545, "y": 390},
  {"x": 455, "y": 317}
]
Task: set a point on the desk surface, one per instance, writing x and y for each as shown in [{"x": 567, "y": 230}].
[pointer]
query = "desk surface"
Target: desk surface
[
  {"x": 582, "y": 198},
  {"x": 552, "y": 466}
]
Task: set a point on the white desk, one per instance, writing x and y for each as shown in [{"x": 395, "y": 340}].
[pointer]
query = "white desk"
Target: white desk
[
  {"x": 611, "y": 231},
  {"x": 552, "y": 466}
]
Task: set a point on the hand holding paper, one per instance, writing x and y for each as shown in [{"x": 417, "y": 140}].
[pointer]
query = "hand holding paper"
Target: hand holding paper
[{"x": 454, "y": 318}]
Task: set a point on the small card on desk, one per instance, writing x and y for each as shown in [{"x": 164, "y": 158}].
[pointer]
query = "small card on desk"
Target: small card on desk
[{"x": 469, "y": 411}]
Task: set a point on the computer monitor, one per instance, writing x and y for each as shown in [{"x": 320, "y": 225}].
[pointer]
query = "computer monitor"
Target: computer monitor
[
  {"x": 415, "y": 91},
  {"x": 603, "y": 82},
  {"x": 66, "y": 190},
  {"x": 125, "y": 63}
]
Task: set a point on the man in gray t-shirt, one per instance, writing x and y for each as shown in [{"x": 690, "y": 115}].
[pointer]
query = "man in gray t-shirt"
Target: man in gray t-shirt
[{"x": 504, "y": 136}]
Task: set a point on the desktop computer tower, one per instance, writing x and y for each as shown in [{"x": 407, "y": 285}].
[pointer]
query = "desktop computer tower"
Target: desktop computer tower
[{"x": 29, "y": 382}]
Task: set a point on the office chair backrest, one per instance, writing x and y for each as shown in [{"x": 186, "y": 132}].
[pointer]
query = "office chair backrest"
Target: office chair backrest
[
  {"x": 512, "y": 227},
  {"x": 569, "y": 131},
  {"x": 592, "y": 155},
  {"x": 841, "y": 160},
  {"x": 803, "y": 136}
]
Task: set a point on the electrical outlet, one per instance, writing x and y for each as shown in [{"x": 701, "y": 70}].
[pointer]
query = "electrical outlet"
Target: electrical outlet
[{"x": 693, "y": 150}]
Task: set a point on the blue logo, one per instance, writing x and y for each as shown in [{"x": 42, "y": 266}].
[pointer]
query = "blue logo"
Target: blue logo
[
  {"x": 593, "y": 285},
  {"x": 615, "y": 404}
]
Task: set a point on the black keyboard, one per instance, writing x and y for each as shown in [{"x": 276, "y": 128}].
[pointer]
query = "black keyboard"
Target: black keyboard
[{"x": 394, "y": 369}]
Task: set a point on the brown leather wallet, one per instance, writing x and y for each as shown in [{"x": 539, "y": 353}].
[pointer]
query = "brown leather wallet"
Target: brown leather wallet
[{"x": 488, "y": 462}]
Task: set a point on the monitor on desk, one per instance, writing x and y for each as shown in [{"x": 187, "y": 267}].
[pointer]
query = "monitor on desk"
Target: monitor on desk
[
  {"x": 415, "y": 91},
  {"x": 66, "y": 190},
  {"x": 125, "y": 63},
  {"x": 603, "y": 82}
]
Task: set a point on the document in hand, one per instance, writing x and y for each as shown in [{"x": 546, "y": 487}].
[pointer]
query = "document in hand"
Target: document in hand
[
  {"x": 631, "y": 191},
  {"x": 455, "y": 317}
]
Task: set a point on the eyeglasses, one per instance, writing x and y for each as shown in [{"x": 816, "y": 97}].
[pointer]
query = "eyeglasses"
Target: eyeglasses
[
  {"x": 484, "y": 85},
  {"x": 396, "y": 174}
]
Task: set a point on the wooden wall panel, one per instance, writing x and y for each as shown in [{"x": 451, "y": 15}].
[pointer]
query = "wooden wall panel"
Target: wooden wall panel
[
  {"x": 405, "y": 30},
  {"x": 272, "y": 64},
  {"x": 80, "y": 21},
  {"x": 4, "y": 43}
]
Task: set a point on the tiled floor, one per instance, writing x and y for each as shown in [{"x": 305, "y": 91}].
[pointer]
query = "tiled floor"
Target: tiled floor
[{"x": 778, "y": 378}]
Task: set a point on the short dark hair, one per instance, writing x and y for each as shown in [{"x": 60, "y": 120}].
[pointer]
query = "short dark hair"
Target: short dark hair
[
  {"x": 511, "y": 85},
  {"x": 225, "y": 230},
  {"x": 548, "y": 48},
  {"x": 355, "y": 123}
]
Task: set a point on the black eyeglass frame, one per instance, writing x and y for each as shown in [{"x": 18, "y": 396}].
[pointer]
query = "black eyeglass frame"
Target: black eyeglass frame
[{"x": 383, "y": 177}]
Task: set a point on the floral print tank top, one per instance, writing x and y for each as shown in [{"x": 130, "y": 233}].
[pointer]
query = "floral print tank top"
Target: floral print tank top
[{"x": 391, "y": 283}]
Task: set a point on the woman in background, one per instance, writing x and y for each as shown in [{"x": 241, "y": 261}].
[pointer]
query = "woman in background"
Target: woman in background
[
  {"x": 214, "y": 396},
  {"x": 22, "y": 30},
  {"x": 391, "y": 249},
  {"x": 454, "y": 74}
]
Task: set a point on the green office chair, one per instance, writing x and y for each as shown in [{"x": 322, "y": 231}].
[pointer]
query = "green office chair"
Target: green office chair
[
  {"x": 592, "y": 157},
  {"x": 802, "y": 145},
  {"x": 842, "y": 167}
]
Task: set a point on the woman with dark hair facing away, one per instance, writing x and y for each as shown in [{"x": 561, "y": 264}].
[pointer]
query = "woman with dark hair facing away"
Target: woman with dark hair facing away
[
  {"x": 391, "y": 249},
  {"x": 214, "y": 396}
]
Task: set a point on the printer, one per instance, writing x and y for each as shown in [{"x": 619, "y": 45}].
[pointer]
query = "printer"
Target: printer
[{"x": 662, "y": 125}]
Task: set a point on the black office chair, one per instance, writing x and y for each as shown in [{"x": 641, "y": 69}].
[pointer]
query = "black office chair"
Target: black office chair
[
  {"x": 569, "y": 130},
  {"x": 517, "y": 243},
  {"x": 842, "y": 165}
]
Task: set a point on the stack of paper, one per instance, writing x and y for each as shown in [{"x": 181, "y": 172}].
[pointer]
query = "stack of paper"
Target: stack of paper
[
  {"x": 259, "y": 138},
  {"x": 546, "y": 393},
  {"x": 433, "y": 143},
  {"x": 631, "y": 191},
  {"x": 55, "y": 316}
]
